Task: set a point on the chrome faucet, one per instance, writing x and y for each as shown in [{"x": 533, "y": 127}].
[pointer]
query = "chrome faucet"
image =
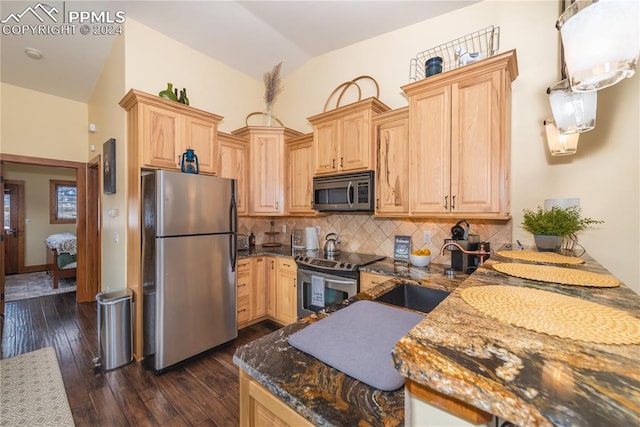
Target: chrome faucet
[{"x": 481, "y": 252}]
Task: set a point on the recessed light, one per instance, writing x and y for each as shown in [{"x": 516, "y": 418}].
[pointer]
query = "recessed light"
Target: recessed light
[{"x": 33, "y": 53}]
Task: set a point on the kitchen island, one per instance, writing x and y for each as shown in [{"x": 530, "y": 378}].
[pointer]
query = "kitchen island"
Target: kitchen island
[{"x": 519, "y": 375}]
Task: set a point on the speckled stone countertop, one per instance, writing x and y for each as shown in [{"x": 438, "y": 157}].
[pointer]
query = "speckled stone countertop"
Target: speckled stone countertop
[
  {"x": 526, "y": 377},
  {"x": 278, "y": 251}
]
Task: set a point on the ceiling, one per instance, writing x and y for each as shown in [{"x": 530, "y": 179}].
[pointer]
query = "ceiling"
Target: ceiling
[{"x": 250, "y": 36}]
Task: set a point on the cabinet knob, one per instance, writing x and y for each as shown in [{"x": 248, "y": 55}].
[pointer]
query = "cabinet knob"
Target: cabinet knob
[
  {"x": 446, "y": 199},
  {"x": 277, "y": 205},
  {"x": 341, "y": 162},
  {"x": 333, "y": 163},
  {"x": 453, "y": 202},
  {"x": 377, "y": 204}
]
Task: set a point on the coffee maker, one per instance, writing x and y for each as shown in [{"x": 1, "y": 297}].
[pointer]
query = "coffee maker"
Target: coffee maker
[{"x": 466, "y": 263}]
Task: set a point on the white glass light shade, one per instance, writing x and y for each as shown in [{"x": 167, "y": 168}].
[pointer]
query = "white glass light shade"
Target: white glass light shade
[
  {"x": 560, "y": 145},
  {"x": 601, "y": 42},
  {"x": 573, "y": 111}
]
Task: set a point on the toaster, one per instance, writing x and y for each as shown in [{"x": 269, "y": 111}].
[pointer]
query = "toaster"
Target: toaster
[{"x": 243, "y": 242}]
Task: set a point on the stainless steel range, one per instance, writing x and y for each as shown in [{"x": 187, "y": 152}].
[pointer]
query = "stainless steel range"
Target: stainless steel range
[{"x": 326, "y": 280}]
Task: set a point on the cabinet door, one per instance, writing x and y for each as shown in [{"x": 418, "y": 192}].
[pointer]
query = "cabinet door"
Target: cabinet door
[
  {"x": 370, "y": 280},
  {"x": 430, "y": 172},
  {"x": 201, "y": 137},
  {"x": 325, "y": 139},
  {"x": 232, "y": 163},
  {"x": 476, "y": 144},
  {"x": 355, "y": 142},
  {"x": 272, "y": 295},
  {"x": 286, "y": 307},
  {"x": 392, "y": 180},
  {"x": 162, "y": 136},
  {"x": 267, "y": 175},
  {"x": 258, "y": 287},
  {"x": 299, "y": 178}
]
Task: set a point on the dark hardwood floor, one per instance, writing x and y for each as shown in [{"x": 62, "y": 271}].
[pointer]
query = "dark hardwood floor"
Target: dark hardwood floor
[{"x": 202, "y": 392}]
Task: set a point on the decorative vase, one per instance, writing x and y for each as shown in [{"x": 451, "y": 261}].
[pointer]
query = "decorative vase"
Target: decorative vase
[
  {"x": 546, "y": 243},
  {"x": 267, "y": 115},
  {"x": 168, "y": 93},
  {"x": 183, "y": 97}
]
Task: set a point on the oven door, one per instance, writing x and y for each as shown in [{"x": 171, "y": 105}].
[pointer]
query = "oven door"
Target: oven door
[{"x": 318, "y": 290}]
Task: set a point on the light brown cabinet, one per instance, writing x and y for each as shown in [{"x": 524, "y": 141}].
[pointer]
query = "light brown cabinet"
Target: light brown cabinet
[
  {"x": 392, "y": 161},
  {"x": 252, "y": 285},
  {"x": 266, "y": 173},
  {"x": 460, "y": 127},
  {"x": 286, "y": 291},
  {"x": 370, "y": 280},
  {"x": 167, "y": 128},
  {"x": 299, "y": 175},
  {"x": 243, "y": 291},
  {"x": 259, "y": 407},
  {"x": 233, "y": 156},
  {"x": 343, "y": 138}
]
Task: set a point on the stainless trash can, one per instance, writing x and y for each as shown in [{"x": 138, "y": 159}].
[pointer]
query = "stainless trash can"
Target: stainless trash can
[{"x": 115, "y": 334}]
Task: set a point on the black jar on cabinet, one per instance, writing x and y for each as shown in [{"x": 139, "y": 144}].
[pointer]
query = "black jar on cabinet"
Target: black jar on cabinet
[{"x": 433, "y": 66}]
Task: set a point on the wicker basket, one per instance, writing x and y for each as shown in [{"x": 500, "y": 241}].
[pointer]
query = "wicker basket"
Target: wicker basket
[{"x": 477, "y": 45}]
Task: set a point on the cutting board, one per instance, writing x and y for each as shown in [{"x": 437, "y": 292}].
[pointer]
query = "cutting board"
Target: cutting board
[{"x": 358, "y": 340}]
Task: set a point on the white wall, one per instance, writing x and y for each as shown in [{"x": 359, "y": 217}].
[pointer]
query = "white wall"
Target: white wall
[
  {"x": 153, "y": 60},
  {"x": 604, "y": 173}
]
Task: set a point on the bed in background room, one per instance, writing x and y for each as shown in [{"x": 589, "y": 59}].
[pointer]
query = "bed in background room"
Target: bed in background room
[{"x": 61, "y": 256}]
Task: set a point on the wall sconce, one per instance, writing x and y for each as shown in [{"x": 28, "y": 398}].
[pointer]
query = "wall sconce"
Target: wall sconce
[
  {"x": 559, "y": 144},
  {"x": 573, "y": 111},
  {"x": 601, "y": 42}
]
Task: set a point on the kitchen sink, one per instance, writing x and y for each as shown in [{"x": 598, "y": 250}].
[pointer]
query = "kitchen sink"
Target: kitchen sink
[{"x": 413, "y": 297}]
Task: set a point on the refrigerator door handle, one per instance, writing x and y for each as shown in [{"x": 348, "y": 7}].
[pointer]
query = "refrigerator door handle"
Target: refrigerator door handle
[
  {"x": 233, "y": 242},
  {"x": 233, "y": 215}
]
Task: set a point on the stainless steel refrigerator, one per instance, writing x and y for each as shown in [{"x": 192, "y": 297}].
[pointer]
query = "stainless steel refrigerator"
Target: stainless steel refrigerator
[{"x": 188, "y": 265}]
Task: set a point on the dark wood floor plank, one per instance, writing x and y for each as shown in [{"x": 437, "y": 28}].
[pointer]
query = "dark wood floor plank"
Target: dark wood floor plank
[{"x": 201, "y": 392}]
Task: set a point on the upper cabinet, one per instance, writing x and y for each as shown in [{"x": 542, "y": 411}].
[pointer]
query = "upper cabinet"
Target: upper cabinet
[
  {"x": 233, "y": 158},
  {"x": 299, "y": 175},
  {"x": 343, "y": 137},
  {"x": 392, "y": 162},
  {"x": 165, "y": 129},
  {"x": 266, "y": 172},
  {"x": 460, "y": 137}
]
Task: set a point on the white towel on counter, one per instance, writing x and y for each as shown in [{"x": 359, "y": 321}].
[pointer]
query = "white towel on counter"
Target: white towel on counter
[{"x": 317, "y": 291}]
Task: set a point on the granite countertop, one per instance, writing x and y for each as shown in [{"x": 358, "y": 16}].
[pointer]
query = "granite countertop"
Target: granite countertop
[
  {"x": 321, "y": 394},
  {"x": 278, "y": 251},
  {"x": 519, "y": 375},
  {"x": 526, "y": 377}
]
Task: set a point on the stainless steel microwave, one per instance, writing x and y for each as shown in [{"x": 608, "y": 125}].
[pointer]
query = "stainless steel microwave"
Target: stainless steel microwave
[{"x": 351, "y": 192}]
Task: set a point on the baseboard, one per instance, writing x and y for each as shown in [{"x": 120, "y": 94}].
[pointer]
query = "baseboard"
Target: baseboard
[{"x": 34, "y": 268}]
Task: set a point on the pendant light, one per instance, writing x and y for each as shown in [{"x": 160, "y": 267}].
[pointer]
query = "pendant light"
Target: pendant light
[
  {"x": 559, "y": 144},
  {"x": 573, "y": 111},
  {"x": 601, "y": 42}
]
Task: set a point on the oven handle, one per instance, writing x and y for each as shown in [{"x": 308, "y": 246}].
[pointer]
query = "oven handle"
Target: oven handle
[
  {"x": 340, "y": 282},
  {"x": 349, "y": 199}
]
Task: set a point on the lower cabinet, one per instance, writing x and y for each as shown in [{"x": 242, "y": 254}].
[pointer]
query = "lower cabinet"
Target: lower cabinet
[
  {"x": 286, "y": 288},
  {"x": 369, "y": 280},
  {"x": 258, "y": 407},
  {"x": 266, "y": 288},
  {"x": 251, "y": 290}
]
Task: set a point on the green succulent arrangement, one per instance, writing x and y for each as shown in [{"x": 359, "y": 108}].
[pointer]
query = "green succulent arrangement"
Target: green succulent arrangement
[{"x": 557, "y": 221}]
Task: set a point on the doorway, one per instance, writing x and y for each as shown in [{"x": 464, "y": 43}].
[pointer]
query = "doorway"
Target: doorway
[
  {"x": 86, "y": 286},
  {"x": 13, "y": 229}
]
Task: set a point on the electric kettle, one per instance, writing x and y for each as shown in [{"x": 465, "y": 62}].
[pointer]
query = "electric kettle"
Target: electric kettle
[{"x": 331, "y": 244}]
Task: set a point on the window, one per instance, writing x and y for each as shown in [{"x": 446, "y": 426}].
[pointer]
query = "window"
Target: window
[{"x": 62, "y": 202}]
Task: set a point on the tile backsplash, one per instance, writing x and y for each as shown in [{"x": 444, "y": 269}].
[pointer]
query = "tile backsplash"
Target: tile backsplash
[{"x": 367, "y": 234}]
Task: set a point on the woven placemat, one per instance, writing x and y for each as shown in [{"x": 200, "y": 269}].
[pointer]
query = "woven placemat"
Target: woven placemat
[
  {"x": 546, "y": 257},
  {"x": 554, "y": 314},
  {"x": 553, "y": 274}
]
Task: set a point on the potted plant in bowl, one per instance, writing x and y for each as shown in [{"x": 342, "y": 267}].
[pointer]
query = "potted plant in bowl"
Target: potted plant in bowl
[{"x": 551, "y": 227}]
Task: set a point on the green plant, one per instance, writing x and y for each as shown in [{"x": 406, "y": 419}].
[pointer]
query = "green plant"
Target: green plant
[{"x": 557, "y": 221}]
